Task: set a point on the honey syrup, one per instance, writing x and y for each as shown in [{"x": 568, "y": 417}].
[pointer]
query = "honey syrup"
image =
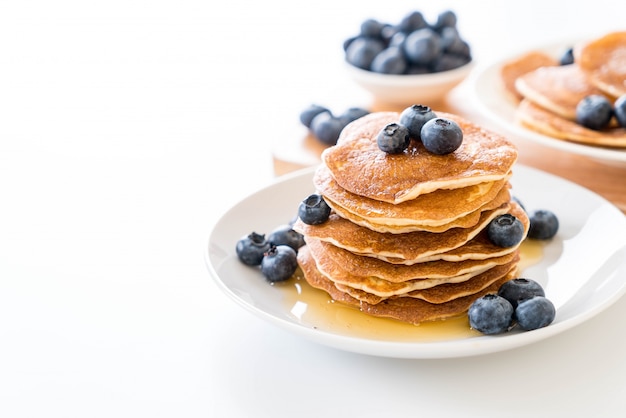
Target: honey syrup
[{"x": 315, "y": 308}]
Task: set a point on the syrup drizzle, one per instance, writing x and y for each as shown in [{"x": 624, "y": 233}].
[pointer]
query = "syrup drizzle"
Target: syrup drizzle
[{"x": 315, "y": 308}]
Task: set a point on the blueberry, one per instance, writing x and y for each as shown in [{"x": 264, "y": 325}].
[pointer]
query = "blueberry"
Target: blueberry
[
  {"x": 412, "y": 22},
  {"x": 307, "y": 115},
  {"x": 394, "y": 138},
  {"x": 285, "y": 235},
  {"x": 544, "y": 224},
  {"x": 422, "y": 46},
  {"x": 390, "y": 61},
  {"x": 397, "y": 39},
  {"x": 619, "y": 109},
  {"x": 534, "y": 313},
  {"x": 505, "y": 231},
  {"x": 362, "y": 51},
  {"x": 491, "y": 314},
  {"x": 446, "y": 19},
  {"x": 519, "y": 289},
  {"x": 250, "y": 248},
  {"x": 568, "y": 57},
  {"x": 327, "y": 127},
  {"x": 314, "y": 210},
  {"x": 447, "y": 62},
  {"x": 414, "y": 117},
  {"x": 371, "y": 28},
  {"x": 441, "y": 136},
  {"x": 279, "y": 263},
  {"x": 594, "y": 112},
  {"x": 353, "y": 113}
]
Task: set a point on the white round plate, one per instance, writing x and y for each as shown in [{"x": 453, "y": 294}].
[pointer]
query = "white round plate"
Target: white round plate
[
  {"x": 583, "y": 269},
  {"x": 495, "y": 104}
]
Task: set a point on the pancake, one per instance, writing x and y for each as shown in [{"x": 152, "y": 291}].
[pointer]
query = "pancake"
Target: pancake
[
  {"x": 414, "y": 247},
  {"x": 406, "y": 309},
  {"x": 548, "y": 123},
  {"x": 557, "y": 89},
  {"x": 437, "y": 208},
  {"x": 514, "y": 68},
  {"x": 385, "y": 280},
  {"x": 603, "y": 60},
  {"x": 360, "y": 167}
]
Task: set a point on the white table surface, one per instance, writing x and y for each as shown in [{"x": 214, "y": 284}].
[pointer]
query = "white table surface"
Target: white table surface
[{"x": 126, "y": 129}]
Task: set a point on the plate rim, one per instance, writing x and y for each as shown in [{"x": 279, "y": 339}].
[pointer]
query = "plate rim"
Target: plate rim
[{"x": 457, "y": 348}]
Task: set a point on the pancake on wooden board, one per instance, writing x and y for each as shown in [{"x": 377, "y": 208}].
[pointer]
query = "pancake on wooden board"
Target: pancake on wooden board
[
  {"x": 603, "y": 60},
  {"x": 359, "y": 166}
]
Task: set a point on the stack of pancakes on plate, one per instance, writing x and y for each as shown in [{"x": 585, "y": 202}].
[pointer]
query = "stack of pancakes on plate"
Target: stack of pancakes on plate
[
  {"x": 406, "y": 237},
  {"x": 548, "y": 93}
]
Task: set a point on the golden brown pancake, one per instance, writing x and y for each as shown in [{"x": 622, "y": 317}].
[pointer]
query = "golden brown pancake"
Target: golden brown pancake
[
  {"x": 406, "y": 309},
  {"x": 437, "y": 208},
  {"x": 359, "y": 166},
  {"x": 383, "y": 279},
  {"x": 414, "y": 247},
  {"x": 604, "y": 61},
  {"x": 511, "y": 70},
  {"x": 557, "y": 89},
  {"x": 548, "y": 123}
]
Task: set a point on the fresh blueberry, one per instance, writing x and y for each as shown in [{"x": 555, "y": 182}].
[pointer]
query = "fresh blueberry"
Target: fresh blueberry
[
  {"x": 568, "y": 57},
  {"x": 544, "y": 224},
  {"x": 446, "y": 19},
  {"x": 353, "y": 113},
  {"x": 534, "y": 313},
  {"x": 285, "y": 235},
  {"x": 314, "y": 210},
  {"x": 441, "y": 136},
  {"x": 447, "y": 62},
  {"x": 250, "y": 248},
  {"x": 390, "y": 61},
  {"x": 520, "y": 289},
  {"x": 412, "y": 22},
  {"x": 505, "y": 231},
  {"x": 372, "y": 28},
  {"x": 394, "y": 138},
  {"x": 307, "y": 115},
  {"x": 594, "y": 112},
  {"x": 362, "y": 51},
  {"x": 414, "y": 117},
  {"x": 279, "y": 263},
  {"x": 619, "y": 109},
  {"x": 327, "y": 127},
  {"x": 397, "y": 39},
  {"x": 418, "y": 69},
  {"x": 491, "y": 314},
  {"x": 422, "y": 46}
]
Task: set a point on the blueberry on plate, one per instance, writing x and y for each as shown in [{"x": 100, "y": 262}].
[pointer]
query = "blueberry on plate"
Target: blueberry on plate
[
  {"x": 536, "y": 312},
  {"x": 279, "y": 263},
  {"x": 362, "y": 51},
  {"x": 422, "y": 46},
  {"x": 544, "y": 224},
  {"x": 520, "y": 289},
  {"x": 491, "y": 314},
  {"x": 619, "y": 109},
  {"x": 307, "y": 115},
  {"x": 250, "y": 248},
  {"x": 568, "y": 57},
  {"x": 353, "y": 113},
  {"x": 441, "y": 136},
  {"x": 327, "y": 128},
  {"x": 414, "y": 117},
  {"x": 594, "y": 112},
  {"x": 286, "y": 235},
  {"x": 505, "y": 231},
  {"x": 394, "y": 138},
  {"x": 314, "y": 210}
]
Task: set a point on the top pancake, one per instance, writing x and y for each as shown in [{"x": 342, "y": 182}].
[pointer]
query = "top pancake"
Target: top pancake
[
  {"x": 558, "y": 89},
  {"x": 359, "y": 166},
  {"x": 604, "y": 62},
  {"x": 521, "y": 65}
]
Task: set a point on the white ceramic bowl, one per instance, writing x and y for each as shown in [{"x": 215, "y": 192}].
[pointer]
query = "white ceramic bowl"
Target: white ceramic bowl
[{"x": 409, "y": 89}]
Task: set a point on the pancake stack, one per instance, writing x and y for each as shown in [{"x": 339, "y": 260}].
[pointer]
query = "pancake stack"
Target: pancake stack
[
  {"x": 406, "y": 237},
  {"x": 547, "y": 93}
]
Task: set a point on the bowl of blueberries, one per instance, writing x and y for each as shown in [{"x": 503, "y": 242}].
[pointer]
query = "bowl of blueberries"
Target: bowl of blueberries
[{"x": 413, "y": 61}]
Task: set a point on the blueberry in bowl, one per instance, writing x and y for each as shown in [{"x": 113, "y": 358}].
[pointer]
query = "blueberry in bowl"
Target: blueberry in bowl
[{"x": 412, "y": 60}]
